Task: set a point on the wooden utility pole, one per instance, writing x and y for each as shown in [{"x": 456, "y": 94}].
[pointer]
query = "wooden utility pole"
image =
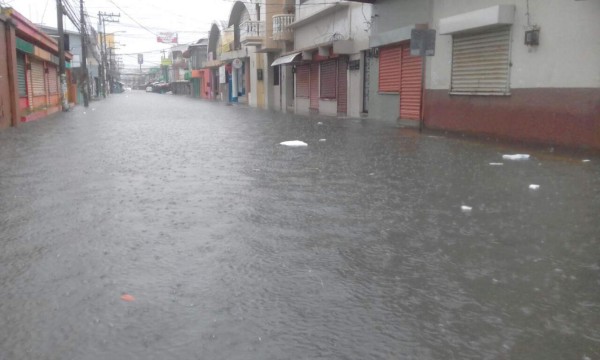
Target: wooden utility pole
[
  {"x": 84, "y": 71},
  {"x": 61, "y": 56}
]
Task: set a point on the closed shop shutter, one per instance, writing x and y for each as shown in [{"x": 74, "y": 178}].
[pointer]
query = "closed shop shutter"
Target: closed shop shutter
[
  {"x": 314, "y": 86},
  {"x": 480, "y": 62},
  {"x": 410, "y": 85},
  {"x": 342, "y": 96},
  {"x": 52, "y": 79},
  {"x": 21, "y": 74},
  {"x": 38, "y": 78},
  {"x": 389, "y": 69},
  {"x": 328, "y": 79},
  {"x": 303, "y": 81}
]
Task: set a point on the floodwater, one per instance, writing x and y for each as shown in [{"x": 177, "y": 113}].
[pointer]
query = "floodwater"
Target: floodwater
[{"x": 232, "y": 246}]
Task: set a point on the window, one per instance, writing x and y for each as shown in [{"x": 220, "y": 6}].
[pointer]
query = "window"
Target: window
[
  {"x": 328, "y": 79},
  {"x": 390, "y": 60},
  {"x": 276, "y": 75},
  {"x": 481, "y": 62}
]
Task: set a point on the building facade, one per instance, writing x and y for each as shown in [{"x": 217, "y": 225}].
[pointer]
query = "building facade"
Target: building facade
[
  {"x": 31, "y": 69},
  {"x": 330, "y": 40},
  {"x": 518, "y": 70}
]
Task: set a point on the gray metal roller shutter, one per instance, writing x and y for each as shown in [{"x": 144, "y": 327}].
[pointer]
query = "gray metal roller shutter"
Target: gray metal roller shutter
[
  {"x": 481, "y": 63},
  {"x": 38, "y": 78},
  {"x": 21, "y": 74}
]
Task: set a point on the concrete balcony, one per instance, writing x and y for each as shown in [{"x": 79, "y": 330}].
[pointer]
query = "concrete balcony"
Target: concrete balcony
[
  {"x": 252, "y": 33},
  {"x": 281, "y": 30}
]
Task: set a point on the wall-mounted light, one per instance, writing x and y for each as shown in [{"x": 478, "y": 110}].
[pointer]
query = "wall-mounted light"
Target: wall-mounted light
[{"x": 532, "y": 37}]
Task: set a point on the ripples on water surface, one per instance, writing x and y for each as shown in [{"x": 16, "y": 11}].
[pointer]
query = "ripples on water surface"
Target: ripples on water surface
[{"x": 238, "y": 248}]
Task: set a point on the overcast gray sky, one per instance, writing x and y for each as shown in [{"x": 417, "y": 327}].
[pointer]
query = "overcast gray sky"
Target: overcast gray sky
[{"x": 190, "y": 19}]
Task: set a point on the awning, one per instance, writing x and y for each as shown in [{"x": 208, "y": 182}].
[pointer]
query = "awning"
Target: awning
[{"x": 285, "y": 59}]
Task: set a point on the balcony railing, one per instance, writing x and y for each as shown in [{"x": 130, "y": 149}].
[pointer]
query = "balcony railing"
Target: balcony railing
[
  {"x": 281, "y": 31},
  {"x": 252, "y": 32}
]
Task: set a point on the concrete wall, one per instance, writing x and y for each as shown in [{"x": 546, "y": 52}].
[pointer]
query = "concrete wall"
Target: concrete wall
[
  {"x": 355, "y": 88},
  {"x": 321, "y": 30},
  {"x": 390, "y": 16},
  {"x": 568, "y": 54},
  {"x": 555, "y": 87},
  {"x": 384, "y": 107}
]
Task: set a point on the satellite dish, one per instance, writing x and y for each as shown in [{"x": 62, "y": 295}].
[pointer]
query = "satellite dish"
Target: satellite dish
[{"x": 237, "y": 63}]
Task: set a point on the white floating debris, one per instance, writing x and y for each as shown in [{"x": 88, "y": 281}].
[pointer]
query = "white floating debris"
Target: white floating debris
[
  {"x": 84, "y": 113},
  {"x": 372, "y": 174},
  {"x": 319, "y": 123},
  {"x": 586, "y": 160},
  {"x": 322, "y": 140},
  {"x": 516, "y": 157},
  {"x": 495, "y": 281},
  {"x": 496, "y": 164},
  {"x": 294, "y": 143},
  {"x": 93, "y": 109},
  {"x": 534, "y": 186},
  {"x": 466, "y": 208}
]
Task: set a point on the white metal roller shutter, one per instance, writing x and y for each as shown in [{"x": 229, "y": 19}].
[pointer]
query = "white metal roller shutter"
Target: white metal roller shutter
[
  {"x": 481, "y": 63},
  {"x": 52, "y": 79},
  {"x": 38, "y": 80}
]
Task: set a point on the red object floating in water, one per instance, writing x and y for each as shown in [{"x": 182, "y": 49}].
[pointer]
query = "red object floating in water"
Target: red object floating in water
[{"x": 127, "y": 297}]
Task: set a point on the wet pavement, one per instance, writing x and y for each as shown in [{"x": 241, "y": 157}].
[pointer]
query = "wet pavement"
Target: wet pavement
[{"x": 232, "y": 246}]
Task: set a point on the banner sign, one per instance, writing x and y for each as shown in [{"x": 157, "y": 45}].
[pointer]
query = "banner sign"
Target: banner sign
[{"x": 167, "y": 37}]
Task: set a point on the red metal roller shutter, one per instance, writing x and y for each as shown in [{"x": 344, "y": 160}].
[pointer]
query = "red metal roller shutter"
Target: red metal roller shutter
[
  {"x": 342, "y": 96},
  {"x": 411, "y": 85},
  {"x": 328, "y": 79},
  {"x": 390, "y": 59},
  {"x": 52, "y": 79},
  {"x": 314, "y": 86},
  {"x": 303, "y": 81},
  {"x": 38, "y": 78}
]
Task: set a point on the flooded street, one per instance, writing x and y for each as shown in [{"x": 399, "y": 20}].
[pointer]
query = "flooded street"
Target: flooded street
[{"x": 233, "y": 246}]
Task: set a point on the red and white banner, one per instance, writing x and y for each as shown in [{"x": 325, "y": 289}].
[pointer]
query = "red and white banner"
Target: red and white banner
[{"x": 167, "y": 38}]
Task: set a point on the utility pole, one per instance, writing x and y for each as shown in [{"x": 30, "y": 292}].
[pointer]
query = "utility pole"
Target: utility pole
[
  {"x": 84, "y": 71},
  {"x": 61, "y": 56},
  {"x": 103, "y": 18}
]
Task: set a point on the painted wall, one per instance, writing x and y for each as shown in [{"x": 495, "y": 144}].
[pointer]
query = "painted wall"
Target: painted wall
[
  {"x": 302, "y": 106},
  {"x": 568, "y": 36},
  {"x": 393, "y": 14},
  {"x": 355, "y": 88},
  {"x": 384, "y": 107},
  {"x": 555, "y": 87},
  {"x": 321, "y": 30},
  {"x": 5, "y": 86},
  {"x": 328, "y": 107},
  {"x": 390, "y": 15}
]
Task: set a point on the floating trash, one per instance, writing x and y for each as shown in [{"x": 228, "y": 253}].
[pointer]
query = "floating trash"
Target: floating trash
[
  {"x": 319, "y": 123},
  {"x": 586, "y": 160},
  {"x": 534, "y": 186},
  {"x": 294, "y": 143},
  {"x": 322, "y": 140},
  {"x": 516, "y": 157},
  {"x": 127, "y": 297},
  {"x": 466, "y": 208},
  {"x": 496, "y": 164}
]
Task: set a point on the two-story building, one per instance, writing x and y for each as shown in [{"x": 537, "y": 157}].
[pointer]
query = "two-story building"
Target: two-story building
[{"x": 330, "y": 40}]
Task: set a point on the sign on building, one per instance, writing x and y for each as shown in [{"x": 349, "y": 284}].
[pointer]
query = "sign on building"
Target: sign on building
[
  {"x": 422, "y": 42},
  {"x": 167, "y": 37},
  {"x": 140, "y": 59}
]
